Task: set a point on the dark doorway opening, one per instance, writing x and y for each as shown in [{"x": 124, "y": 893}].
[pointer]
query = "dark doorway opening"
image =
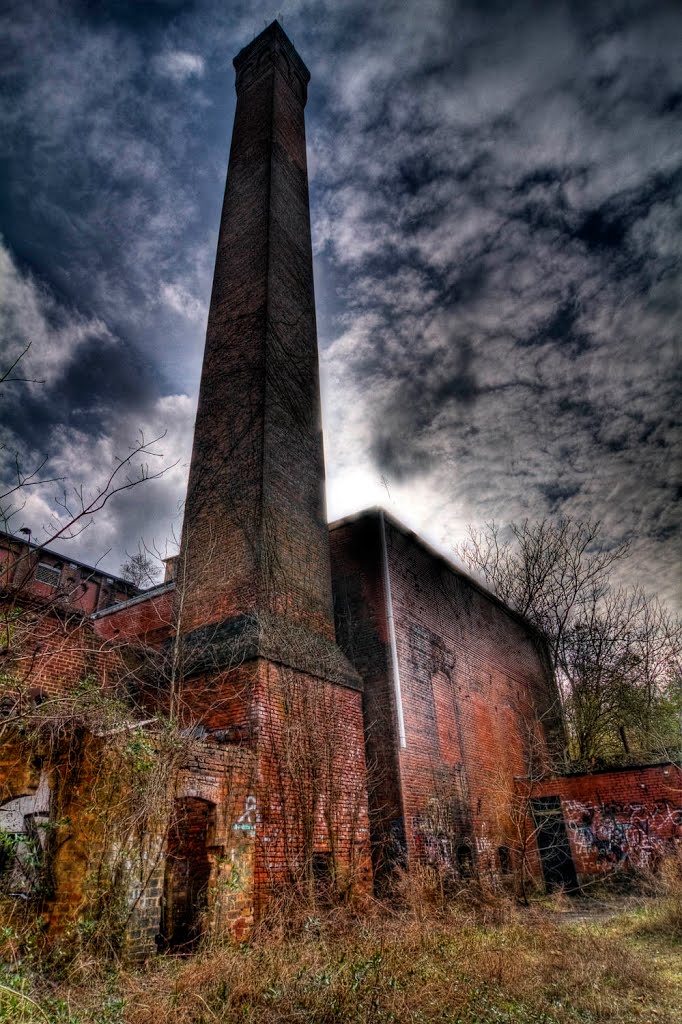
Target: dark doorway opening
[
  {"x": 465, "y": 861},
  {"x": 188, "y": 871},
  {"x": 323, "y": 877},
  {"x": 504, "y": 854},
  {"x": 552, "y": 839}
]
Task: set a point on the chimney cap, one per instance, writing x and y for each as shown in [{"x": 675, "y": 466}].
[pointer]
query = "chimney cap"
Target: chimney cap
[{"x": 273, "y": 42}]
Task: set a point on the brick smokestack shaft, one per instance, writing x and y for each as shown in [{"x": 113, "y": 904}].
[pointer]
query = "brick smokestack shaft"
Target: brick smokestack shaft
[{"x": 254, "y": 534}]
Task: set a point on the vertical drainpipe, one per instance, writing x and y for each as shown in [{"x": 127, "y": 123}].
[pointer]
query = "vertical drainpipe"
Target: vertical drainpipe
[{"x": 395, "y": 671}]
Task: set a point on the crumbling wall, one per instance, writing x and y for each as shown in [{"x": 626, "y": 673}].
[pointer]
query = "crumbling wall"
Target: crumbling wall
[
  {"x": 75, "y": 728},
  {"x": 107, "y": 824}
]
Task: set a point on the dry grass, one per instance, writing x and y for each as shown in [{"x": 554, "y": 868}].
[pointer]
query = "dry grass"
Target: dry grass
[{"x": 531, "y": 968}]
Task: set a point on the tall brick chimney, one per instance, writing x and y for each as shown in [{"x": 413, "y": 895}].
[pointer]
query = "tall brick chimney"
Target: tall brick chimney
[{"x": 254, "y": 535}]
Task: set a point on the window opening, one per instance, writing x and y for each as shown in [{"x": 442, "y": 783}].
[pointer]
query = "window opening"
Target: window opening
[{"x": 47, "y": 574}]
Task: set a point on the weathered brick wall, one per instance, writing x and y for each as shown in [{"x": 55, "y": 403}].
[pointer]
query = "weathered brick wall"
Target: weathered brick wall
[
  {"x": 254, "y": 535},
  {"x": 49, "y": 649},
  {"x": 473, "y": 683},
  {"x": 57, "y": 651},
  {"x": 311, "y": 793},
  {"x": 146, "y": 618},
  {"x": 101, "y": 874},
  {"x": 220, "y": 700},
  {"x": 305, "y": 734},
  {"x": 224, "y": 777},
  {"x": 630, "y": 818},
  {"x": 362, "y": 634},
  {"x": 106, "y": 866}
]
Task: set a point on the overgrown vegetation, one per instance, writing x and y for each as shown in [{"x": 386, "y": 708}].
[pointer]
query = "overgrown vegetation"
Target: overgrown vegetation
[
  {"x": 111, "y": 788},
  {"x": 481, "y": 964}
]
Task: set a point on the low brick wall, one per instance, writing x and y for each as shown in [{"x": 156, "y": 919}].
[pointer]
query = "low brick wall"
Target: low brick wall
[
  {"x": 629, "y": 819},
  {"x": 52, "y": 649}
]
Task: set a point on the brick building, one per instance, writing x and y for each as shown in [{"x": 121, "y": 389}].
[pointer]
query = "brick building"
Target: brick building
[
  {"x": 344, "y": 701},
  {"x": 28, "y": 567}
]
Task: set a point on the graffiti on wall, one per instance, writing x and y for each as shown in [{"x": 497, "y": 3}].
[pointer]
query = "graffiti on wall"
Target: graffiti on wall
[
  {"x": 638, "y": 834},
  {"x": 246, "y": 820},
  {"x": 443, "y": 837}
]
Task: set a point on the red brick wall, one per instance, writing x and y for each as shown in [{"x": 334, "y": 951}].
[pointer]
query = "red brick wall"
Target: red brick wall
[
  {"x": 51, "y": 650},
  {"x": 311, "y": 778},
  {"x": 148, "y": 619},
  {"x": 302, "y": 732},
  {"x": 223, "y": 776},
  {"x": 473, "y": 680},
  {"x": 362, "y": 634},
  {"x": 221, "y": 700},
  {"x": 629, "y": 818},
  {"x": 254, "y": 535}
]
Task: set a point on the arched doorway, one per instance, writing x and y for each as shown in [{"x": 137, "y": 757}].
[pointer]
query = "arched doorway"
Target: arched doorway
[{"x": 188, "y": 872}]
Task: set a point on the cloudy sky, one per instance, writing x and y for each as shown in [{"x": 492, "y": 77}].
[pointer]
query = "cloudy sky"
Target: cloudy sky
[{"x": 496, "y": 194}]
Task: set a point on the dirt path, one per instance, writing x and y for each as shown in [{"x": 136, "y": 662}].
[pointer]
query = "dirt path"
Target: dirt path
[{"x": 593, "y": 909}]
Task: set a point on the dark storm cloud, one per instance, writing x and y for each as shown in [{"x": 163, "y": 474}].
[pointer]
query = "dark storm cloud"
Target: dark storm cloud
[
  {"x": 496, "y": 209},
  {"x": 540, "y": 199}
]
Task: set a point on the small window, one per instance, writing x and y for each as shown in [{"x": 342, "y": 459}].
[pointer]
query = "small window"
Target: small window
[
  {"x": 504, "y": 853},
  {"x": 47, "y": 574},
  {"x": 465, "y": 861}
]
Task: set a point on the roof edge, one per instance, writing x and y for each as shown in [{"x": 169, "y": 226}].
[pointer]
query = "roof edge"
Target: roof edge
[
  {"x": 67, "y": 558},
  {"x": 162, "y": 588},
  {"x": 377, "y": 512}
]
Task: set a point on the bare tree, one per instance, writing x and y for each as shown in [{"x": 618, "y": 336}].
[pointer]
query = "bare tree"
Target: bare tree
[
  {"x": 140, "y": 570},
  {"x": 618, "y": 659},
  {"x": 616, "y": 653},
  {"x": 74, "y": 506}
]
